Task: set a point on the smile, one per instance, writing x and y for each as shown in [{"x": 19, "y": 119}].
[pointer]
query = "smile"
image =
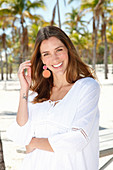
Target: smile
[{"x": 57, "y": 65}]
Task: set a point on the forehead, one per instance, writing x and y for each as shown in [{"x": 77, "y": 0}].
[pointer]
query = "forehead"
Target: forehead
[{"x": 50, "y": 43}]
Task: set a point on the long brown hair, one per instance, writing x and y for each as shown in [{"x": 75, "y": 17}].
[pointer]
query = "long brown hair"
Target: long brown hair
[{"x": 76, "y": 69}]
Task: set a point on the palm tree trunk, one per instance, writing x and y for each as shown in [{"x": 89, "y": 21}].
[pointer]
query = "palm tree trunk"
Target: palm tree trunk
[
  {"x": 2, "y": 164},
  {"x": 20, "y": 37},
  {"x": 25, "y": 50},
  {"x": 112, "y": 56},
  {"x": 105, "y": 44},
  {"x": 112, "y": 66},
  {"x": 58, "y": 13},
  {"x": 6, "y": 64},
  {"x": 24, "y": 42},
  {"x": 53, "y": 15},
  {"x": 106, "y": 57},
  {"x": 95, "y": 42},
  {"x": 2, "y": 73},
  {"x": 4, "y": 46},
  {"x": 94, "y": 50},
  {"x": 10, "y": 69}
]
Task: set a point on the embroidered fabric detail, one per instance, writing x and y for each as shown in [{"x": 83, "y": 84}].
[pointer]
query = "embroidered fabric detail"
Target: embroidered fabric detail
[
  {"x": 53, "y": 103},
  {"x": 82, "y": 131}
]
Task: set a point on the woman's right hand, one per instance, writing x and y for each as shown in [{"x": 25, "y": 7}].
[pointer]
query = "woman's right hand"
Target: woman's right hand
[{"x": 25, "y": 79}]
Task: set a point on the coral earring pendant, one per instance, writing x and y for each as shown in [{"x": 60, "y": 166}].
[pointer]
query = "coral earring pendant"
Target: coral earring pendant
[{"x": 46, "y": 73}]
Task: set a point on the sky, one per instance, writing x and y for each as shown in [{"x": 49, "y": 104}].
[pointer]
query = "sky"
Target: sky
[
  {"x": 63, "y": 9},
  {"x": 47, "y": 14}
]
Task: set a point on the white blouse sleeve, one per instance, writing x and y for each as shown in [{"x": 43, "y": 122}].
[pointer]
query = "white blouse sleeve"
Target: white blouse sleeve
[
  {"x": 85, "y": 122},
  {"x": 22, "y": 135}
]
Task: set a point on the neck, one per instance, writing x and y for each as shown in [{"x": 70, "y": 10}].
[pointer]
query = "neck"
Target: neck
[{"x": 60, "y": 81}]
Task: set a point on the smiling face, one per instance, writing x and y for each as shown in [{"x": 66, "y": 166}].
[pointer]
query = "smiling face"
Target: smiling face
[{"x": 54, "y": 55}]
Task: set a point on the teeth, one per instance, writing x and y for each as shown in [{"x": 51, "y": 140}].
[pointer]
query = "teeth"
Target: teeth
[{"x": 58, "y": 65}]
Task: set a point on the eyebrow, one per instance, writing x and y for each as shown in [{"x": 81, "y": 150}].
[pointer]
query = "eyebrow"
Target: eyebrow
[{"x": 55, "y": 49}]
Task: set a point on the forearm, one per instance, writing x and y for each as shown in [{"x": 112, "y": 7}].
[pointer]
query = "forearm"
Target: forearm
[
  {"x": 22, "y": 114},
  {"x": 43, "y": 143}
]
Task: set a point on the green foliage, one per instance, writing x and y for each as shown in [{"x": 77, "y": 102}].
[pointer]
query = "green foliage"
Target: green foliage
[
  {"x": 33, "y": 32},
  {"x": 88, "y": 4},
  {"x": 100, "y": 56},
  {"x": 109, "y": 60},
  {"x": 10, "y": 59},
  {"x": 17, "y": 17}
]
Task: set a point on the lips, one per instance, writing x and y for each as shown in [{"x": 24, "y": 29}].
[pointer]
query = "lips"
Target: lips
[{"x": 57, "y": 65}]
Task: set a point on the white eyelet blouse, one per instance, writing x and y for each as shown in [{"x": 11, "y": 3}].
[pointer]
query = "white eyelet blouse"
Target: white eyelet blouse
[{"x": 71, "y": 126}]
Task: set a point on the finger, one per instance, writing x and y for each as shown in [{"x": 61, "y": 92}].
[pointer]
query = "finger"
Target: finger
[
  {"x": 29, "y": 72},
  {"x": 24, "y": 64},
  {"x": 21, "y": 70},
  {"x": 27, "y": 61},
  {"x": 22, "y": 67},
  {"x": 27, "y": 150}
]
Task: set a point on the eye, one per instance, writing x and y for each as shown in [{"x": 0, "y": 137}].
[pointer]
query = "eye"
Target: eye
[
  {"x": 60, "y": 49},
  {"x": 45, "y": 54}
]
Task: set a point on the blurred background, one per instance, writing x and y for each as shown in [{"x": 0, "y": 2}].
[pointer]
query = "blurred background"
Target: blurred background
[{"x": 89, "y": 24}]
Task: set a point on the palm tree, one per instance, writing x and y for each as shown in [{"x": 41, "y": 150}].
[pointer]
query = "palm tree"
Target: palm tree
[
  {"x": 104, "y": 8},
  {"x": 53, "y": 15},
  {"x": 34, "y": 27},
  {"x": 110, "y": 36},
  {"x": 54, "y": 12},
  {"x": 20, "y": 10},
  {"x": 75, "y": 22},
  {"x": 5, "y": 49},
  {"x": 111, "y": 49},
  {"x": 1, "y": 60},
  {"x": 4, "y": 22},
  {"x": 58, "y": 14},
  {"x": 78, "y": 31},
  {"x": 99, "y": 9},
  {"x": 88, "y": 6}
]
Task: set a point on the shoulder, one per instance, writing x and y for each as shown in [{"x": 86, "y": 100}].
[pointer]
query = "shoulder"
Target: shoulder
[
  {"x": 87, "y": 86},
  {"x": 88, "y": 82}
]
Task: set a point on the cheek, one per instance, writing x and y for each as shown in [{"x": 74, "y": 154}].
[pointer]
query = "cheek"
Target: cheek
[
  {"x": 65, "y": 56},
  {"x": 46, "y": 61}
]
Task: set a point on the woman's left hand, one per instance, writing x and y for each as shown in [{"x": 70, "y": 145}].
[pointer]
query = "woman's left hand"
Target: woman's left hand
[{"x": 31, "y": 146}]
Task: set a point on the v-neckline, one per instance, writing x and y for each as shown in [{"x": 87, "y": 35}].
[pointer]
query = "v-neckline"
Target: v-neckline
[{"x": 61, "y": 100}]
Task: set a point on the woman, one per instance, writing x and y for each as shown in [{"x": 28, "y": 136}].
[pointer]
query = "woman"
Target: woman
[{"x": 58, "y": 121}]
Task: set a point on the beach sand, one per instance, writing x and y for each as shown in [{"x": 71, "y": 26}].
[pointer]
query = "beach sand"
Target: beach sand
[{"x": 9, "y": 98}]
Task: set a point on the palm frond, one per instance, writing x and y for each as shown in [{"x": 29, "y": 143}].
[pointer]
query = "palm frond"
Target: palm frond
[
  {"x": 70, "y": 1},
  {"x": 32, "y": 17},
  {"x": 5, "y": 11},
  {"x": 35, "y": 4},
  {"x": 53, "y": 16}
]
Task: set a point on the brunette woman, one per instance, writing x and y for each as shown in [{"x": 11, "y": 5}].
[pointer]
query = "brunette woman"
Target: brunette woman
[{"x": 58, "y": 115}]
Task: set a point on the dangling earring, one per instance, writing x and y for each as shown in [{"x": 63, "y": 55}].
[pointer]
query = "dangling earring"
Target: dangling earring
[{"x": 46, "y": 73}]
